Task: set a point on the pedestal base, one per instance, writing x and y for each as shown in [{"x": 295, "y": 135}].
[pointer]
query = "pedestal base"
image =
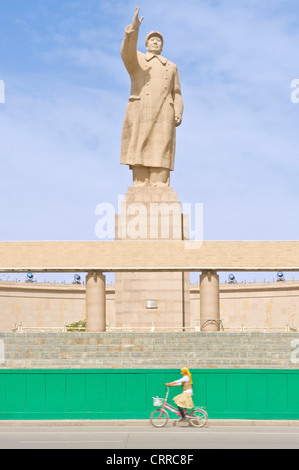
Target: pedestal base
[{"x": 142, "y": 299}]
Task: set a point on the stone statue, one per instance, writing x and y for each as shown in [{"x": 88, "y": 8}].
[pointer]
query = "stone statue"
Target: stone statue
[{"x": 154, "y": 110}]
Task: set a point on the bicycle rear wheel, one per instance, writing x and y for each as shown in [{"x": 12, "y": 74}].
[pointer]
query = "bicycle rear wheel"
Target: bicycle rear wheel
[
  {"x": 198, "y": 418},
  {"x": 159, "y": 418}
]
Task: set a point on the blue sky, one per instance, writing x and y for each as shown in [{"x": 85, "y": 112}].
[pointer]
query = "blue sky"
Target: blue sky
[{"x": 66, "y": 95}]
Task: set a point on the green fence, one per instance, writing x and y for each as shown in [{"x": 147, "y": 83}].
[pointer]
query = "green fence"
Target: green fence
[{"x": 127, "y": 394}]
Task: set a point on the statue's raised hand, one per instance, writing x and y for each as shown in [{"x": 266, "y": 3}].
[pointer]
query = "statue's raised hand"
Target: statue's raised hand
[{"x": 136, "y": 21}]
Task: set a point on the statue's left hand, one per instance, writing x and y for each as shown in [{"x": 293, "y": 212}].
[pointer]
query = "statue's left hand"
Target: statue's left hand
[{"x": 178, "y": 121}]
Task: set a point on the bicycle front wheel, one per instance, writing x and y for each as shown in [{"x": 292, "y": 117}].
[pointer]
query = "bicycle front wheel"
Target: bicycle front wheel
[
  {"x": 159, "y": 418},
  {"x": 198, "y": 418}
]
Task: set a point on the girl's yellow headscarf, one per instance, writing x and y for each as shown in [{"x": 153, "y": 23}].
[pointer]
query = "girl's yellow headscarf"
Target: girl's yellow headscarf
[{"x": 186, "y": 371}]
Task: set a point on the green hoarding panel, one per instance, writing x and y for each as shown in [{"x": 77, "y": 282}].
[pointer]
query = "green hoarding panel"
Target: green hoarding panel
[
  {"x": 216, "y": 390},
  {"x": 55, "y": 393},
  {"x": 136, "y": 393},
  {"x": 199, "y": 389},
  {"x": 96, "y": 393},
  {"x": 127, "y": 394},
  {"x": 75, "y": 393},
  {"x": 257, "y": 393},
  {"x": 277, "y": 393},
  {"x": 36, "y": 393},
  {"x": 116, "y": 393},
  {"x": 293, "y": 393},
  {"x": 15, "y": 393},
  {"x": 236, "y": 393},
  {"x": 2, "y": 393}
]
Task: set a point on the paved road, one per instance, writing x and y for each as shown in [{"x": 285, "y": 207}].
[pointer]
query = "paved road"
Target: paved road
[{"x": 146, "y": 437}]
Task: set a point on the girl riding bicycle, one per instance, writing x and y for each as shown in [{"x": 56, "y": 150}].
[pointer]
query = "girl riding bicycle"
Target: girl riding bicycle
[{"x": 184, "y": 400}]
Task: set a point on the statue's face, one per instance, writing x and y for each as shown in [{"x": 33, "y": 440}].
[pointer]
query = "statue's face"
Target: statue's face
[{"x": 155, "y": 45}]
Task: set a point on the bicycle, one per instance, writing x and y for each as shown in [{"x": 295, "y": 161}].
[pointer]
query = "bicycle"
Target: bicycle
[{"x": 198, "y": 417}]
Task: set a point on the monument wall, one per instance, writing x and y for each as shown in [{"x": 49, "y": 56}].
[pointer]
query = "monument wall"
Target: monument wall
[{"x": 269, "y": 305}]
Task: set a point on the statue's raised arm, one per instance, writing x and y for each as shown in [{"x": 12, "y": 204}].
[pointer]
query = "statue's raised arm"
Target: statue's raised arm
[{"x": 129, "y": 45}]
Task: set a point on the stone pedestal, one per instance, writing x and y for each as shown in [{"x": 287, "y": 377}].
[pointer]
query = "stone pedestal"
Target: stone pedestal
[
  {"x": 144, "y": 298},
  {"x": 95, "y": 302},
  {"x": 209, "y": 302}
]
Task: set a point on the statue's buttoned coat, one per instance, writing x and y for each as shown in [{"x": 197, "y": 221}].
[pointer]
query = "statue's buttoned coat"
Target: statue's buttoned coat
[{"x": 149, "y": 131}]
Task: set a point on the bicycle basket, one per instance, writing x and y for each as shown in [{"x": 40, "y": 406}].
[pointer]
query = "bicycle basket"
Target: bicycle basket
[{"x": 158, "y": 401}]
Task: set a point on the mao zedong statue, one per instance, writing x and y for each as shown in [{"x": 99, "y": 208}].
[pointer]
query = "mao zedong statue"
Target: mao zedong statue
[{"x": 154, "y": 110}]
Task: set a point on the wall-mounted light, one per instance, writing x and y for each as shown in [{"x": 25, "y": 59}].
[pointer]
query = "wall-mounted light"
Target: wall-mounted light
[
  {"x": 232, "y": 279},
  {"x": 280, "y": 277},
  {"x": 29, "y": 278},
  {"x": 77, "y": 279}
]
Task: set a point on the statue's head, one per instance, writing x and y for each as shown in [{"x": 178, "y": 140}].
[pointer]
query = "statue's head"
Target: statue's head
[{"x": 154, "y": 42}]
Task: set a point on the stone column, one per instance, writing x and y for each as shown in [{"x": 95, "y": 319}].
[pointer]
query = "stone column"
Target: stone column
[
  {"x": 95, "y": 302},
  {"x": 209, "y": 302}
]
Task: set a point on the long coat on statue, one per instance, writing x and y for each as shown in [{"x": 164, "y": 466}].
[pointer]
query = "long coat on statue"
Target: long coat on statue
[{"x": 149, "y": 131}]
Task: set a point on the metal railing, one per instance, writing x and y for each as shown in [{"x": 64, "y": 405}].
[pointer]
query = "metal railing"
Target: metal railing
[
  {"x": 153, "y": 328},
  {"x": 219, "y": 323},
  {"x": 44, "y": 329},
  {"x": 150, "y": 329},
  {"x": 243, "y": 328}
]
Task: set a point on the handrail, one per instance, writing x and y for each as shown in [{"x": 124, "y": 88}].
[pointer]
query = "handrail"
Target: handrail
[
  {"x": 152, "y": 329},
  {"x": 60, "y": 329},
  {"x": 197, "y": 328}
]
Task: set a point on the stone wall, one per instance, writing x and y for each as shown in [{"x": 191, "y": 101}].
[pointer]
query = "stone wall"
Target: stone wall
[{"x": 149, "y": 350}]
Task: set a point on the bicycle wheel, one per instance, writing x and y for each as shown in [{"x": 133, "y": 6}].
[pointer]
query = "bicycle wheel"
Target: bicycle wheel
[
  {"x": 159, "y": 418},
  {"x": 198, "y": 418}
]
